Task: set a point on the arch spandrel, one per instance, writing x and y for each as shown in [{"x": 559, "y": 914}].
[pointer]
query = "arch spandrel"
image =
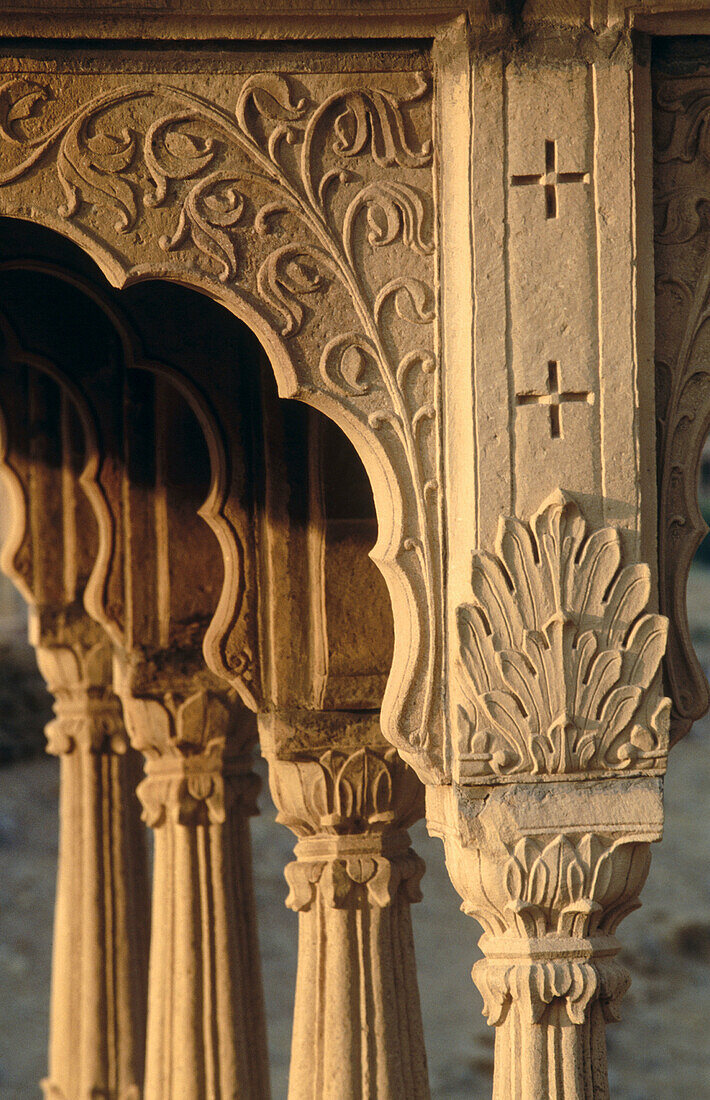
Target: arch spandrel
[{"x": 304, "y": 203}]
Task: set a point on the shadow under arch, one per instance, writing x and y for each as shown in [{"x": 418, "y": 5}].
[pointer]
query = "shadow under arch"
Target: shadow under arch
[
  {"x": 18, "y": 356},
  {"x": 212, "y": 508},
  {"x": 411, "y": 586}
]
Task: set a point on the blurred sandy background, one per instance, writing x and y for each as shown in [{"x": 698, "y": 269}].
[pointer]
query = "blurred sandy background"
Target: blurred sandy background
[{"x": 661, "y": 1050}]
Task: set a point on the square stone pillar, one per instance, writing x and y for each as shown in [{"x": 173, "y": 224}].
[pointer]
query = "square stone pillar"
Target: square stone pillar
[{"x": 557, "y": 727}]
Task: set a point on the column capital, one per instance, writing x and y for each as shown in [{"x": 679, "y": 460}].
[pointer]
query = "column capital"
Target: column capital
[
  {"x": 350, "y": 806},
  {"x": 88, "y": 714},
  {"x": 549, "y": 872},
  {"x": 199, "y": 788},
  {"x": 197, "y": 740}
]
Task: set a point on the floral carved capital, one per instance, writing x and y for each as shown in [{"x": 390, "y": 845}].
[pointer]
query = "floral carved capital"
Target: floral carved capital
[
  {"x": 350, "y": 811},
  {"x": 343, "y": 793},
  {"x": 198, "y": 789},
  {"x": 380, "y": 877},
  {"x": 550, "y": 873},
  {"x": 558, "y": 657},
  {"x": 197, "y": 746},
  {"x": 550, "y": 913},
  {"x": 88, "y": 714}
]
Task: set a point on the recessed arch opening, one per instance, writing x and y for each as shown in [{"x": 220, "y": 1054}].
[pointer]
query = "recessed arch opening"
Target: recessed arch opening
[
  {"x": 328, "y": 497},
  {"x": 39, "y": 245}
]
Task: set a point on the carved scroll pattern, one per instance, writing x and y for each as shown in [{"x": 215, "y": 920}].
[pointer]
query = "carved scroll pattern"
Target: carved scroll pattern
[
  {"x": 682, "y": 195},
  {"x": 558, "y": 661},
  {"x": 311, "y": 203}
]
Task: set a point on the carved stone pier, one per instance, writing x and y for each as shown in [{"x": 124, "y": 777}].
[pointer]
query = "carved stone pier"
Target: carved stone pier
[
  {"x": 206, "y": 1034},
  {"x": 357, "y": 1023},
  {"x": 436, "y": 220}
]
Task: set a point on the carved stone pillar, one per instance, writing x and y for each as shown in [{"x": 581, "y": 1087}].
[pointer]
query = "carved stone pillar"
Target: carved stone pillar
[
  {"x": 557, "y": 728},
  {"x": 100, "y": 958},
  {"x": 206, "y": 1029},
  {"x": 101, "y": 925},
  {"x": 357, "y": 1023},
  {"x": 449, "y": 252},
  {"x": 550, "y": 878},
  {"x": 558, "y": 676}
]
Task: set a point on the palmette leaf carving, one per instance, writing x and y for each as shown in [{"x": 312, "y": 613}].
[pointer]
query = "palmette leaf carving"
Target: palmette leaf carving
[
  {"x": 350, "y": 811},
  {"x": 557, "y": 656}
]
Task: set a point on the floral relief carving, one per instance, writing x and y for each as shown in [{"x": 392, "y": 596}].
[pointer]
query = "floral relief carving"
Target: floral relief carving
[
  {"x": 350, "y": 810},
  {"x": 557, "y": 655},
  {"x": 337, "y": 792},
  {"x": 570, "y": 885},
  {"x": 310, "y": 200},
  {"x": 87, "y": 713},
  {"x": 682, "y": 208},
  {"x": 382, "y": 877},
  {"x": 198, "y": 763},
  {"x": 553, "y": 892}
]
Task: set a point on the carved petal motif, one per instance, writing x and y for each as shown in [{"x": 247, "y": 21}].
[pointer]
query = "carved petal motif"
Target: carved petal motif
[{"x": 557, "y": 657}]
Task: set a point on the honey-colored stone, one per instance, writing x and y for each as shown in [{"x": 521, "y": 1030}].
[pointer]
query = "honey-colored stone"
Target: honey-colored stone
[{"x": 436, "y": 220}]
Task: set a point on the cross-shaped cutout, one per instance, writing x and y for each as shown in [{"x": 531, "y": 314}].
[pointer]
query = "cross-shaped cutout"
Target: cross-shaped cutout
[
  {"x": 551, "y": 179},
  {"x": 554, "y": 398}
]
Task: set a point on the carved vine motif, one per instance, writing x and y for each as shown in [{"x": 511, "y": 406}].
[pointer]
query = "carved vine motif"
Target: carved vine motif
[
  {"x": 682, "y": 208},
  {"x": 294, "y": 199},
  {"x": 557, "y": 657}
]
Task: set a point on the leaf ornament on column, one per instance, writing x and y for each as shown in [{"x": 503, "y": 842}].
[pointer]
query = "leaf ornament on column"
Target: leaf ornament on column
[{"x": 557, "y": 654}]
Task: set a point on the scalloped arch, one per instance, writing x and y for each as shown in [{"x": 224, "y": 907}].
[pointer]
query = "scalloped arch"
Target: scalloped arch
[
  {"x": 407, "y": 608},
  {"x": 18, "y": 355},
  {"x": 303, "y": 202}
]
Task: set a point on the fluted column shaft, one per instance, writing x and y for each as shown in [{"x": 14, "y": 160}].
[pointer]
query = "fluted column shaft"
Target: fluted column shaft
[
  {"x": 357, "y": 1028},
  {"x": 550, "y": 875},
  {"x": 206, "y": 1024},
  {"x": 101, "y": 924}
]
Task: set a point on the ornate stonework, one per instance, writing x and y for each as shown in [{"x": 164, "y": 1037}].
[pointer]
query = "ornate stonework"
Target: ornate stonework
[
  {"x": 100, "y": 959},
  {"x": 682, "y": 191},
  {"x": 550, "y": 873},
  {"x": 198, "y": 758},
  {"x": 350, "y": 811},
  {"x": 440, "y": 240},
  {"x": 88, "y": 713},
  {"x": 309, "y": 200},
  {"x": 352, "y": 884},
  {"x": 558, "y": 656}
]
